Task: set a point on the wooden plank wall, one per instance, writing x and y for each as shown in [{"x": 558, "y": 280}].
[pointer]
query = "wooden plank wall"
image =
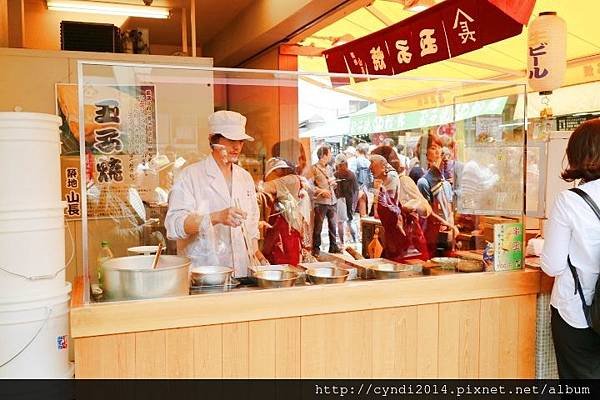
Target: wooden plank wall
[{"x": 489, "y": 338}]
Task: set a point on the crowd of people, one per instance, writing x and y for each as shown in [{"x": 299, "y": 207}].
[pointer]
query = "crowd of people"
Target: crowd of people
[
  {"x": 283, "y": 215},
  {"x": 413, "y": 203}
]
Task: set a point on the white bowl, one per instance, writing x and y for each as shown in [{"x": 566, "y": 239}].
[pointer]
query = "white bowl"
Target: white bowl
[{"x": 145, "y": 250}]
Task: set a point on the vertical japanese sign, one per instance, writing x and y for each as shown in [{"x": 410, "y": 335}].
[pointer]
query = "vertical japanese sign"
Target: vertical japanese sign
[
  {"x": 449, "y": 29},
  {"x": 508, "y": 246},
  {"x": 120, "y": 142},
  {"x": 71, "y": 188}
]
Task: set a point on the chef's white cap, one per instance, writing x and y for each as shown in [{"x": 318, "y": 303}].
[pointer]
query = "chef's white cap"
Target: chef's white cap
[{"x": 230, "y": 124}]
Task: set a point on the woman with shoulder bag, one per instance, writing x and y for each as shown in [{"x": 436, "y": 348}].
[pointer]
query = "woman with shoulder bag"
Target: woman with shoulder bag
[{"x": 572, "y": 238}]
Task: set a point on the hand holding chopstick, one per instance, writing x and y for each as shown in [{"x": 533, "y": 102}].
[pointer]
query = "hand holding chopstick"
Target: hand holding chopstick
[{"x": 247, "y": 240}]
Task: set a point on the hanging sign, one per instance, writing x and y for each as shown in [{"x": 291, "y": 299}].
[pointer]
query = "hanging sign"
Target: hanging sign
[
  {"x": 447, "y": 30},
  {"x": 547, "y": 53}
]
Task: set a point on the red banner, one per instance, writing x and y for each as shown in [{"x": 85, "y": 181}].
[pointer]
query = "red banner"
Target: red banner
[
  {"x": 447, "y": 30},
  {"x": 519, "y": 10}
]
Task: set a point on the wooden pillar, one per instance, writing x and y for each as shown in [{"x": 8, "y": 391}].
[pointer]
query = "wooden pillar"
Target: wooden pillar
[
  {"x": 193, "y": 20},
  {"x": 3, "y": 23},
  {"x": 184, "y": 31},
  {"x": 288, "y": 110},
  {"x": 16, "y": 23},
  {"x": 272, "y": 111}
]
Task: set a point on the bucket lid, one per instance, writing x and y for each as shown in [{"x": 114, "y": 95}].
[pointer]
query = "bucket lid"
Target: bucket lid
[
  {"x": 36, "y": 296},
  {"x": 28, "y": 213},
  {"x": 29, "y": 116}
]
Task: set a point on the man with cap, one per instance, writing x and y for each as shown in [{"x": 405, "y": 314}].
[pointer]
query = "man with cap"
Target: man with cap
[{"x": 213, "y": 212}]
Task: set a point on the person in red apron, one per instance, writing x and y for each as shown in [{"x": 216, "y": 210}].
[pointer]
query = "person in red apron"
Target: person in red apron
[
  {"x": 284, "y": 192},
  {"x": 400, "y": 221}
]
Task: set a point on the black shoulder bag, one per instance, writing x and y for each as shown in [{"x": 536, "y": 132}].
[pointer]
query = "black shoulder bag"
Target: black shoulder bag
[{"x": 592, "y": 311}]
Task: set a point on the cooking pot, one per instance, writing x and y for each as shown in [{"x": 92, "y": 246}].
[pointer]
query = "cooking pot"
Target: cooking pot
[{"x": 131, "y": 278}]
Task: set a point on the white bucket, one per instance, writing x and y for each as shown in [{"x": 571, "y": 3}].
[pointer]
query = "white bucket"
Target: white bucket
[
  {"x": 35, "y": 335},
  {"x": 32, "y": 251},
  {"x": 30, "y": 150}
]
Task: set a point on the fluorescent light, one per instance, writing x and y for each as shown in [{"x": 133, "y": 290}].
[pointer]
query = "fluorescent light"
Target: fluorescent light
[
  {"x": 96, "y": 7},
  {"x": 418, "y": 5},
  {"x": 417, "y": 8},
  {"x": 507, "y": 125},
  {"x": 585, "y": 113}
]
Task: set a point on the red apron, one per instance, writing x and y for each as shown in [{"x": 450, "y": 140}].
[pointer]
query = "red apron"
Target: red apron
[
  {"x": 282, "y": 243},
  {"x": 396, "y": 243}
]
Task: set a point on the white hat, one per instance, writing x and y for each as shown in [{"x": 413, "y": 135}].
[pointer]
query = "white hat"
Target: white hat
[
  {"x": 275, "y": 163},
  {"x": 230, "y": 124},
  {"x": 341, "y": 158},
  {"x": 350, "y": 150}
]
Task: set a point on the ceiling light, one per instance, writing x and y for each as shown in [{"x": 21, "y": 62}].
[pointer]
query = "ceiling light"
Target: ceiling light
[
  {"x": 417, "y": 5},
  {"x": 96, "y": 7}
]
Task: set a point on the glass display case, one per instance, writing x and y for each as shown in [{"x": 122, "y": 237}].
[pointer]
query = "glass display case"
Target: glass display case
[
  {"x": 132, "y": 130},
  {"x": 545, "y": 162}
]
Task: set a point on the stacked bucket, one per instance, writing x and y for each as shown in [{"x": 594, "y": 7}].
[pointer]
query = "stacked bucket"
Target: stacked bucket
[{"x": 34, "y": 296}]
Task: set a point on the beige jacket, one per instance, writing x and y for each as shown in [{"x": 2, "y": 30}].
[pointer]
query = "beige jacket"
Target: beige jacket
[{"x": 407, "y": 193}]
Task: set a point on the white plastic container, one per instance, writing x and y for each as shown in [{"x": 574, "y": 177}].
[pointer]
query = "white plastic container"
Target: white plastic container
[
  {"x": 32, "y": 251},
  {"x": 30, "y": 156},
  {"x": 35, "y": 335}
]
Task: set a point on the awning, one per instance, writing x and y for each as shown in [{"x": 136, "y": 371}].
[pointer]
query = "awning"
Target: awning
[
  {"x": 446, "y": 30},
  {"x": 566, "y": 100},
  {"x": 331, "y": 128},
  {"x": 505, "y": 60},
  {"x": 367, "y": 121}
]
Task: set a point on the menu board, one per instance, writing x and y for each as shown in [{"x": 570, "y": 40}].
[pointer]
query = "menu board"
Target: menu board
[
  {"x": 488, "y": 126},
  {"x": 508, "y": 246},
  {"x": 570, "y": 122}
]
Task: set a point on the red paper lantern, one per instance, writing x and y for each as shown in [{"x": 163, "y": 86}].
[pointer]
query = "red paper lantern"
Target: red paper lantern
[{"x": 547, "y": 52}]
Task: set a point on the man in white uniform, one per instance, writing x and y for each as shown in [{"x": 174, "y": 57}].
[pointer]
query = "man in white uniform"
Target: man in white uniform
[{"x": 213, "y": 213}]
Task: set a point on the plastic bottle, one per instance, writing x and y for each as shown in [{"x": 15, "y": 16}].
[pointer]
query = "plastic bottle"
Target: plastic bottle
[{"x": 104, "y": 255}]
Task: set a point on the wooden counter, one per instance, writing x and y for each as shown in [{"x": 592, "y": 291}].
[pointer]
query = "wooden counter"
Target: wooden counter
[{"x": 462, "y": 325}]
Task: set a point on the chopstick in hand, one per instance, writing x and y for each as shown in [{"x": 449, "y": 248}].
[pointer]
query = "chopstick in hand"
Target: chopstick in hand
[{"x": 251, "y": 255}]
